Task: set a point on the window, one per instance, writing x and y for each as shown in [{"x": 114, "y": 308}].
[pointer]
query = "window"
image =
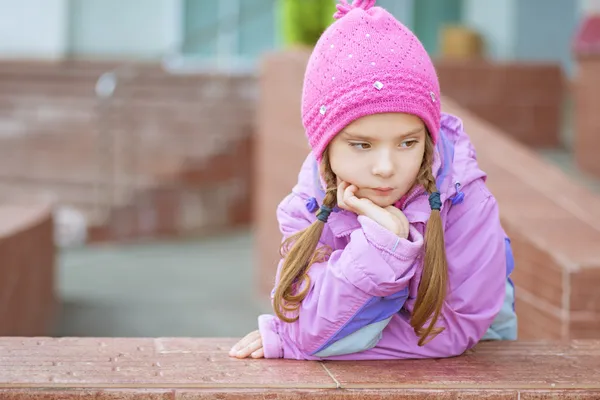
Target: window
[
  {"x": 430, "y": 16},
  {"x": 228, "y": 33}
]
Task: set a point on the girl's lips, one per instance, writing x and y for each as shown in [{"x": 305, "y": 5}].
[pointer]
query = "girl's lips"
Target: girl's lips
[{"x": 382, "y": 191}]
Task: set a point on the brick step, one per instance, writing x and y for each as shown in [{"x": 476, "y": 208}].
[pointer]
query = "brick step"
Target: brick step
[
  {"x": 150, "y": 72},
  {"x": 28, "y": 302},
  {"x": 171, "y": 210},
  {"x": 65, "y": 67},
  {"x": 175, "y": 116},
  {"x": 61, "y": 71},
  {"x": 179, "y": 103},
  {"x": 142, "y": 139},
  {"x": 199, "y": 368},
  {"x": 192, "y": 98},
  {"x": 48, "y": 88},
  {"x": 525, "y": 100},
  {"x": 182, "y": 136},
  {"x": 151, "y": 127},
  {"x": 165, "y": 80},
  {"x": 65, "y": 72},
  {"x": 199, "y": 197},
  {"x": 167, "y": 209},
  {"x": 84, "y": 162},
  {"x": 24, "y": 114},
  {"x": 41, "y": 166},
  {"x": 94, "y": 210},
  {"x": 136, "y": 145},
  {"x": 62, "y": 192}
]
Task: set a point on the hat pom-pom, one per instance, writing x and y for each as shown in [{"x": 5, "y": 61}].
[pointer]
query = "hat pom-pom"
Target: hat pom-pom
[{"x": 343, "y": 7}]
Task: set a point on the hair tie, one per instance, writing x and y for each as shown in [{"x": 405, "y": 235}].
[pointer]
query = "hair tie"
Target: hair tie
[
  {"x": 434, "y": 201},
  {"x": 312, "y": 205},
  {"x": 323, "y": 213}
]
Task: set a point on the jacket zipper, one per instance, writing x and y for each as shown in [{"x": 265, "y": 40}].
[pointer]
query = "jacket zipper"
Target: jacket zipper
[{"x": 411, "y": 196}]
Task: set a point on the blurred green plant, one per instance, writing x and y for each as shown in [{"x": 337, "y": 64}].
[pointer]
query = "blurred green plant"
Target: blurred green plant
[{"x": 303, "y": 21}]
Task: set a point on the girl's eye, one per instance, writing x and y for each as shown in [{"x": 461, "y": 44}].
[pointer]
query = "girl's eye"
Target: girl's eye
[
  {"x": 408, "y": 143},
  {"x": 360, "y": 145}
]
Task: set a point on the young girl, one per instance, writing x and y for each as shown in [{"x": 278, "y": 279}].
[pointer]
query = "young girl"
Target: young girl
[{"x": 393, "y": 246}]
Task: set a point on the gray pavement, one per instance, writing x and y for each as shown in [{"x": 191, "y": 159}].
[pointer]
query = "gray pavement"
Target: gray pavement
[{"x": 196, "y": 287}]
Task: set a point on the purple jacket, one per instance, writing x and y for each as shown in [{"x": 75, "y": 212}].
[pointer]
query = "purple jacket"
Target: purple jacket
[{"x": 360, "y": 300}]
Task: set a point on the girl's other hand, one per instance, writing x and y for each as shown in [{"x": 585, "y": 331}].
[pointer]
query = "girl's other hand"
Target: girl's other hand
[{"x": 250, "y": 346}]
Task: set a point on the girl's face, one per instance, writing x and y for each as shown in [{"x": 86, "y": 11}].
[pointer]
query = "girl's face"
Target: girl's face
[{"x": 381, "y": 154}]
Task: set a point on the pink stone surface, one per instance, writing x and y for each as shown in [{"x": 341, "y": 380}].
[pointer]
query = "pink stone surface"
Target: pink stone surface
[
  {"x": 123, "y": 363},
  {"x": 182, "y": 368}
]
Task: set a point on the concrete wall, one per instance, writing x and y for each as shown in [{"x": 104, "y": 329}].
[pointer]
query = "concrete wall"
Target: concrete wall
[
  {"x": 33, "y": 28},
  {"x": 131, "y": 29}
]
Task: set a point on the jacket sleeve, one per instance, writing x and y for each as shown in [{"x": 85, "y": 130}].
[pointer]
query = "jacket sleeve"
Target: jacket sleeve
[
  {"x": 358, "y": 287},
  {"x": 477, "y": 265}
]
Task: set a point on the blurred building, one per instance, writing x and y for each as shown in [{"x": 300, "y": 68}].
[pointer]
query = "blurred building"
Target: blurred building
[
  {"x": 232, "y": 33},
  {"x": 137, "y": 152}
]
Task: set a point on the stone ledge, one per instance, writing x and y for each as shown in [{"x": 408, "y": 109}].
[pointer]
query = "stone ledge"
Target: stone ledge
[
  {"x": 183, "y": 368},
  {"x": 524, "y": 100},
  {"x": 554, "y": 224},
  {"x": 27, "y": 262},
  {"x": 17, "y": 219}
]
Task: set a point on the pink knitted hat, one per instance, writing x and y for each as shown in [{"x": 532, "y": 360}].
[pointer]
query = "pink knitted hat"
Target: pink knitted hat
[{"x": 365, "y": 63}]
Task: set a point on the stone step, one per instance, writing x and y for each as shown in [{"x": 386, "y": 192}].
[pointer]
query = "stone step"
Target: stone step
[
  {"x": 161, "y": 139},
  {"x": 200, "y": 368},
  {"x": 28, "y": 301}
]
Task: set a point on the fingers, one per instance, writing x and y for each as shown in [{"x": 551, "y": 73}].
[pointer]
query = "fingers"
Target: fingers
[
  {"x": 361, "y": 206},
  {"x": 348, "y": 194},
  {"x": 396, "y": 212},
  {"x": 347, "y": 199},
  {"x": 260, "y": 353},
  {"x": 383, "y": 216},
  {"x": 401, "y": 222},
  {"x": 341, "y": 190},
  {"x": 236, "y": 348},
  {"x": 244, "y": 343},
  {"x": 249, "y": 349},
  {"x": 389, "y": 217}
]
